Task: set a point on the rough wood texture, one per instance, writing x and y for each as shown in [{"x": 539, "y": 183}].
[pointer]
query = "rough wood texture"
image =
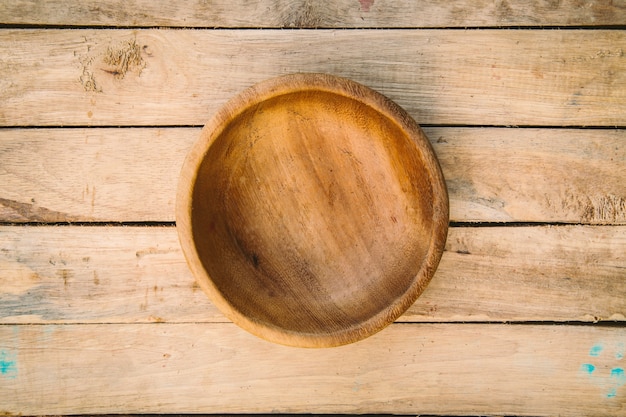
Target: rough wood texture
[
  {"x": 307, "y": 13},
  {"x": 483, "y": 77},
  {"x": 217, "y": 368},
  {"x": 138, "y": 275},
  {"x": 82, "y": 309},
  {"x": 575, "y": 176},
  {"x": 101, "y": 175},
  {"x": 312, "y": 210}
]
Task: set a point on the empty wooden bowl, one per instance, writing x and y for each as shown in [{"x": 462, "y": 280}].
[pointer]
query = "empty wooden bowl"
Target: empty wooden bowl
[{"x": 312, "y": 210}]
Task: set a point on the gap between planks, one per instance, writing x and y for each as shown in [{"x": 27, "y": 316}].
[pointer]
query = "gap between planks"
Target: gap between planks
[
  {"x": 173, "y": 224},
  {"x": 28, "y": 26}
]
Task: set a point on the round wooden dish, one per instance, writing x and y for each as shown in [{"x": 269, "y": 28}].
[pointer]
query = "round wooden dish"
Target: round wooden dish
[{"x": 312, "y": 210}]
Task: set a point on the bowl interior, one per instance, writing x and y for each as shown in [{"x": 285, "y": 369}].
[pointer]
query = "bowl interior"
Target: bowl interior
[{"x": 312, "y": 214}]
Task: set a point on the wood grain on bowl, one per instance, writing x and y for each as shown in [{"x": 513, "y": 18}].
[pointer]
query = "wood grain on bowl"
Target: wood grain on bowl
[{"x": 312, "y": 210}]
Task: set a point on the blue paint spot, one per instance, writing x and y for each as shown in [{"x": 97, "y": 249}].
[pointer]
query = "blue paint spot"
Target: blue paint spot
[
  {"x": 588, "y": 368},
  {"x": 618, "y": 378},
  {"x": 618, "y": 374},
  {"x": 609, "y": 381},
  {"x": 595, "y": 350},
  {"x": 8, "y": 364}
]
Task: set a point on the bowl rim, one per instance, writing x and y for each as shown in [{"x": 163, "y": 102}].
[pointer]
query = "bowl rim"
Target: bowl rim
[{"x": 288, "y": 84}]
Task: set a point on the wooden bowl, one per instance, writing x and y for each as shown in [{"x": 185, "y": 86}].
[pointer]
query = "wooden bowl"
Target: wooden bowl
[{"x": 312, "y": 210}]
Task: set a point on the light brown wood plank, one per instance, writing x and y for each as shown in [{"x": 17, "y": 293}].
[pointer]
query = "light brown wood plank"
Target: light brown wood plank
[
  {"x": 493, "y": 174},
  {"x": 95, "y": 174},
  {"x": 454, "y": 369},
  {"x": 537, "y": 175},
  {"x": 306, "y": 13},
  {"x": 180, "y": 77},
  {"x": 138, "y": 274},
  {"x": 97, "y": 275}
]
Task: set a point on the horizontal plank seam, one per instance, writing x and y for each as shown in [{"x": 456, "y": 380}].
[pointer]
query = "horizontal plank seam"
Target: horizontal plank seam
[
  {"x": 528, "y": 224},
  {"x": 152, "y": 27},
  {"x": 92, "y": 224},
  {"x": 579, "y": 323},
  {"x": 599, "y": 323},
  {"x": 424, "y": 125},
  {"x": 39, "y": 127},
  {"x": 173, "y": 224},
  {"x": 552, "y": 127}
]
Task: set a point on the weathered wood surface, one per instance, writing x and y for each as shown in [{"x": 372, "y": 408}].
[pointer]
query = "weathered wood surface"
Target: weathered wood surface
[
  {"x": 101, "y": 174},
  {"x": 217, "y": 368},
  {"x": 311, "y": 14},
  {"x": 138, "y": 274},
  {"x": 166, "y": 349},
  {"x": 180, "y": 77},
  {"x": 493, "y": 174}
]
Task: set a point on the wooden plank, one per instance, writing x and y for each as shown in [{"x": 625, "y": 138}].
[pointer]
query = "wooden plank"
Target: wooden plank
[
  {"x": 138, "y": 274},
  {"x": 536, "y": 175},
  {"x": 111, "y": 174},
  {"x": 180, "y": 77},
  {"x": 304, "y": 13},
  {"x": 450, "y": 369},
  {"x": 95, "y": 175}
]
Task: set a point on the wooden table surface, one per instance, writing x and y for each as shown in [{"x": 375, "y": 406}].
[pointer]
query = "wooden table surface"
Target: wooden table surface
[{"x": 524, "y": 102}]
